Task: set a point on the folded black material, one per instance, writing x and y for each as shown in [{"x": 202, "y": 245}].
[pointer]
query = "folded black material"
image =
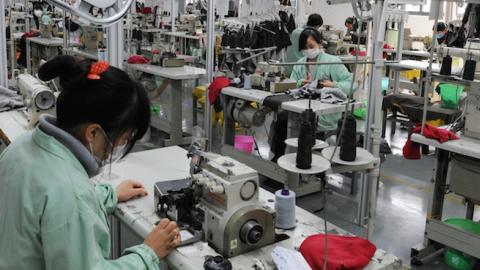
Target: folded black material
[{"x": 275, "y": 101}]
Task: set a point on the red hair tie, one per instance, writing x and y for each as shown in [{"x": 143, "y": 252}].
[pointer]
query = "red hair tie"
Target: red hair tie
[{"x": 96, "y": 69}]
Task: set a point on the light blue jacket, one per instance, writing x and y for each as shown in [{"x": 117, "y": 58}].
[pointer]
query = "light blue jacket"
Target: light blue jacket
[
  {"x": 338, "y": 74},
  {"x": 52, "y": 216}
]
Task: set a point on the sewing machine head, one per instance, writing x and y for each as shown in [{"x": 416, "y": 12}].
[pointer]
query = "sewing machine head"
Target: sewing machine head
[
  {"x": 472, "y": 112},
  {"x": 38, "y": 98},
  {"x": 225, "y": 194}
]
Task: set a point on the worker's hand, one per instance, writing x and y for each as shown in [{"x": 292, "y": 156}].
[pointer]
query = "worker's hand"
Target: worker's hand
[
  {"x": 327, "y": 83},
  {"x": 164, "y": 238},
  {"x": 305, "y": 82},
  {"x": 129, "y": 189}
]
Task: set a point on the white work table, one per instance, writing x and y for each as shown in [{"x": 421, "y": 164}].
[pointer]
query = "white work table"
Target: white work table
[
  {"x": 177, "y": 75},
  {"x": 52, "y": 44},
  {"x": 465, "y": 146},
  {"x": 12, "y": 125},
  {"x": 436, "y": 230},
  {"x": 182, "y": 35},
  {"x": 250, "y": 95},
  {"x": 93, "y": 55},
  {"x": 170, "y": 164},
  {"x": 420, "y": 65},
  {"x": 299, "y": 106},
  {"x": 173, "y": 73}
]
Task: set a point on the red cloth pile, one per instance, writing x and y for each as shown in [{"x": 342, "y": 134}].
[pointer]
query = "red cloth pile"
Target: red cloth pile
[
  {"x": 411, "y": 150},
  {"x": 216, "y": 88},
  {"x": 138, "y": 59},
  {"x": 344, "y": 252}
]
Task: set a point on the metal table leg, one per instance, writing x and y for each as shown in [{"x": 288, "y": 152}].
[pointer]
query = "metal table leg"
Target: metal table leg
[
  {"x": 176, "y": 133},
  {"x": 424, "y": 251}
]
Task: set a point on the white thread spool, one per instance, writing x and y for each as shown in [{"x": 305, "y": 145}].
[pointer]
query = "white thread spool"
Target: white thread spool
[{"x": 285, "y": 208}]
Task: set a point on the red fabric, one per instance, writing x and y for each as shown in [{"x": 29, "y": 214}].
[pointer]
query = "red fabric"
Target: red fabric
[
  {"x": 147, "y": 10},
  {"x": 216, "y": 87},
  {"x": 344, "y": 252},
  {"x": 138, "y": 59},
  {"x": 411, "y": 150}
]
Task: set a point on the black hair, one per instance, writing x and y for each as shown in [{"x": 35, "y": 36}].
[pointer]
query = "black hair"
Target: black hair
[
  {"x": 100, "y": 11},
  {"x": 441, "y": 26},
  {"x": 115, "y": 102},
  {"x": 315, "y": 20},
  {"x": 306, "y": 33}
]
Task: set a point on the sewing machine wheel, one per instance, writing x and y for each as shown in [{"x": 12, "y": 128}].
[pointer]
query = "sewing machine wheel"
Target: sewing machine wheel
[
  {"x": 44, "y": 100},
  {"x": 251, "y": 232}
]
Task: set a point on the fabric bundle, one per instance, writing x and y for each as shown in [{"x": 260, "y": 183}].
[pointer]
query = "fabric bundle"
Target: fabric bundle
[{"x": 411, "y": 150}]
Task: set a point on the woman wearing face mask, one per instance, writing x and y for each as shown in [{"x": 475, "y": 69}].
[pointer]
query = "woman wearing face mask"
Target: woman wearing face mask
[
  {"x": 37, "y": 14},
  {"x": 333, "y": 76},
  {"x": 53, "y": 216}
]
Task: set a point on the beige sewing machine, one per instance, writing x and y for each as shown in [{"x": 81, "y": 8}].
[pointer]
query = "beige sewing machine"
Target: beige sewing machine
[
  {"x": 38, "y": 98},
  {"x": 220, "y": 200}
]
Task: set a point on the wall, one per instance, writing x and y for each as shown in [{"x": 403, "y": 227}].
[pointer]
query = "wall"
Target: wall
[
  {"x": 332, "y": 14},
  {"x": 420, "y": 25}
]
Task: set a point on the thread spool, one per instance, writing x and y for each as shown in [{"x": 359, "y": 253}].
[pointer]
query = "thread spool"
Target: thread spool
[
  {"x": 348, "y": 140},
  {"x": 469, "y": 69},
  {"x": 446, "y": 68},
  {"x": 285, "y": 209},
  {"x": 313, "y": 123},
  {"x": 305, "y": 143}
]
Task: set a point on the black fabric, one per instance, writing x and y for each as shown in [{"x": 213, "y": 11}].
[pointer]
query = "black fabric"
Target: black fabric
[
  {"x": 278, "y": 129},
  {"x": 275, "y": 101},
  {"x": 291, "y": 25}
]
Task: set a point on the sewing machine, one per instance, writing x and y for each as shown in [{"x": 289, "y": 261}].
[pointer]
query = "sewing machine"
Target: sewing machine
[
  {"x": 333, "y": 37},
  {"x": 38, "y": 98},
  {"x": 219, "y": 200},
  {"x": 190, "y": 23}
]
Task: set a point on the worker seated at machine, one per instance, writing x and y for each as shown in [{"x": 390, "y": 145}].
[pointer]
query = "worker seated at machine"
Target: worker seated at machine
[
  {"x": 449, "y": 35},
  {"x": 328, "y": 76},
  {"x": 351, "y": 23},
  {"x": 57, "y": 216}
]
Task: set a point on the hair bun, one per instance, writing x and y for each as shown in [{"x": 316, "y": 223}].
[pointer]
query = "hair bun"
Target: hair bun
[{"x": 66, "y": 67}]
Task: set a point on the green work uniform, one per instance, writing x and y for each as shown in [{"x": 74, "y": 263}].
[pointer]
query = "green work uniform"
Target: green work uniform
[
  {"x": 52, "y": 216},
  {"x": 293, "y": 54},
  {"x": 338, "y": 74}
]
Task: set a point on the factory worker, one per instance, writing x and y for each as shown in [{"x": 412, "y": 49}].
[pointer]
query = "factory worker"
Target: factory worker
[
  {"x": 293, "y": 54},
  {"x": 330, "y": 76},
  {"x": 445, "y": 36},
  {"x": 335, "y": 76},
  {"x": 53, "y": 216}
]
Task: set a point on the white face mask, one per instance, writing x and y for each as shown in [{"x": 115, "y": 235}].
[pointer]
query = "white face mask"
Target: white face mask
[
  {"x": 38, "y": 13},
  {"x": 114, "y": 156},
  {"x": 311, "y": 53}
]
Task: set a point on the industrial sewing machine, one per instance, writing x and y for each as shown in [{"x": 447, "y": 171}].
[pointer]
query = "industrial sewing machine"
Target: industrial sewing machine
[
  {"x": 38, "y": 98},
  {"x": 333, "y": 37},
  {"x": 190, "y": 23},
  {"x": 219, "y": 204}
]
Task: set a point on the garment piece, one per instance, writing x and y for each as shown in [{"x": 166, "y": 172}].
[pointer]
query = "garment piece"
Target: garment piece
[
  {"x": 138, "y": 59},
  {"x": 411, "y": 150},
  {"x": 293, "y": 53},
  {"x": 216, "y": 87},
  {"x": 338, "y": 74},
  {"x": 53, "y": 216},
  {"x": 344, "y": 252},
  {"x": 291, "y": 25}
]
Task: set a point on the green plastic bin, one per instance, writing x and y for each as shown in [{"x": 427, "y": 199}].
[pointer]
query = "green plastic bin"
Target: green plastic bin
[
  {"x": 450, "y": 94},
  {"x": 454, "y": 258}
]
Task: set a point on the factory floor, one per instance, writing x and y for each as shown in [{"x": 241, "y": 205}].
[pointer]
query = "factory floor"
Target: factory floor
[{"x": 402, "y": 196}]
